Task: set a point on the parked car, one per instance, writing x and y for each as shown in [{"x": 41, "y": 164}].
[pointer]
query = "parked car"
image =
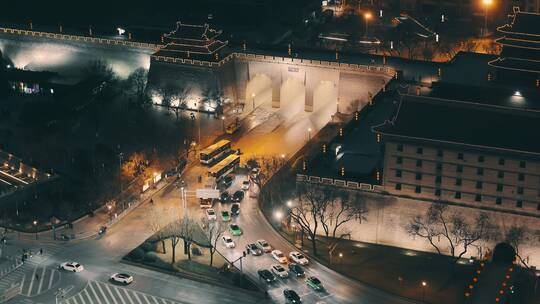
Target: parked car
[
  {"x": 71, "y": 266},
  {"x": 246, "y": 184},
  {"x": 123, "y": 278},
  {"x": 238, "y": 196},
  {"x": 252, "y": 249},
  {"x": 299, "y": 258},
  {"x": 254, "y": 174},
  {"x": 228, "y": 241},
  {"x": 235, "y": 230},
  {"x": 235, "y": 209},
  {"x": 225, "y": 216},
  {"x": 291, "y": 296},
  {"x": 279, "y": 270},
  {"x": 224, "y": 197},
  {"x": 296, "y": 269},
  {"x": 210, "y": 214},
  {"x": 264, "y": 245},
  {"x": 227, "y": 180},
  {"x": 314, "y": 283},
  {"x": 279, "y": 256},
  {"x": 266, "y": 276}
]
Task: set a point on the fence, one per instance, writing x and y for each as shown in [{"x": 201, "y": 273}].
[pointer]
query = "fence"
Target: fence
[{"x": 339, "y": 183}]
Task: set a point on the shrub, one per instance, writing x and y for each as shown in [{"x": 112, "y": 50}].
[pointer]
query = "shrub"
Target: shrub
[
  {"x": 149, "y": 257},
  {"x": 137, "y": 254},
  {"x": 148, "y": 246}
]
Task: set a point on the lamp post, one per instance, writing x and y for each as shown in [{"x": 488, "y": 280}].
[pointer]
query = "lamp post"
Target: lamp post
[
  {"x": 486, "y": 4},
  {"x": 253, "y": 99},
  {"x": 223, "y": 122},
  {"x": 35, "y": 222},
  {"x": 308, "y": 134},
  {"x": 367, "y": 17},
  {"x": 424, "y": 284}
]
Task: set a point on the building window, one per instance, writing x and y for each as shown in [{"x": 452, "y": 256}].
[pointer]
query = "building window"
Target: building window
[
  {"x": 478, "y": 185},
  {"x": 399, "y": 160},
  {"x": 398, "y": 187},
  {"x": 400, "y": 148},
  {"x": 520, "y": 190},
  {"x": 522, "y": 164},
  {"x": 480, "y": 159},
  {"x": 478, "y": 198},
  {"x": 418, "y": 176},
  {"x": 458, "y": 181},
  {"x": 438, "y": 192},
  {"x": 458, "y": 195},
  {"x": 440, "y": 153},
  {"x": 398, "y": 173},
  {"x": 439, "y": 166},
  {"x": 418, "y": 189},
  {"x": 459, "y": 168},
  {"x": 498, "y": 201},
  {"x": 521, "y": 177},
  {"x": 438, "y": 179},
  {"x": 480, "y": 171},
  {"x": 501, "y": 161},
  {"x": 460, "y": 156},
  {"x": 419, "y": 150},
  {"x": 499, "y": 187},
  {"x": 500, "y": 174},
  {"x": 519, "y": 204},
  {"x": 419, "y": 163}
]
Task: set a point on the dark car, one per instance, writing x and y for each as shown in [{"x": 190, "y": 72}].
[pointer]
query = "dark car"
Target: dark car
[
  {"x": 253, "y": 249},
  {"x": 291, "y": 296},
  {"x": 238, "y": 196},
  {"x": 266, "y": 275},
  {"x": 296, "y": 269},
  {"x": 227, "y": 180},
  {"x": 235, "y": 209},
  {"x": 224, "y": 197}
]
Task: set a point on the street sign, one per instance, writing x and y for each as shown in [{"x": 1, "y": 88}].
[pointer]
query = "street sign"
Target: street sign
[{"x": 207, "y": 193}]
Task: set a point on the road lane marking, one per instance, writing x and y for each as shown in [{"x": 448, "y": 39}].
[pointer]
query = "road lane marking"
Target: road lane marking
[
  {"x": 51, "y": 278},
  {"x": 111, "y": 293},
  {"x": 81, "y": 296},
  {"x": 41, "y": 281},
  {"x": 117, "y": 290},
  {"x": 127, "y": 296},
  {"x": 136, "y": 296},
  {"x": 98, "y": 286},
  {"x": 94, "y": 292},
  {"x": 31, "y": 281}
]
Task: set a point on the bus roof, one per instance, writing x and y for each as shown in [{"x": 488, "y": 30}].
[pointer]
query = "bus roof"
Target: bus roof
[
  {"x": 227, "y": 160},
  {"x": 215, "y": 146}
]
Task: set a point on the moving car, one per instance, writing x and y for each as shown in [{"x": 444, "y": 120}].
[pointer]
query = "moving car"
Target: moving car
[
  {"x": 266, "y": 276},
  {"x": 235, "y": 209},
  {"x": 245, "y": 185},
  {"x": 299, "y": 258},
  {"x": 279, "y": 256},
  {"x": 235, "y": 230},
  {"x": 227, "y": 241},
  {"x": 253, "y": 249},
  {"x": 279, "y": 271},
  {"x": 255, "y": 173},
  {"x": 314, "y": 283},
  {"x": 211, "y": 214},
  {"x": 291, "y": 296},
  {"x": 296, "y": 269},
  {"x": 123, "y": 278},
  {"x": 238, "y": 196},
  {"x": 206, "y": 202},
  {"x": 71, "y": 266},
  {"x": 225, "y": 216},
  {"x": 224, "y": 197},
  {"x": 264, "y": 245}
]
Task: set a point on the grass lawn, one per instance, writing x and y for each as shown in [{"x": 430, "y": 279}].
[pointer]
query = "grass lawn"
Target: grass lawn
[{"x": 398, "y": 271}]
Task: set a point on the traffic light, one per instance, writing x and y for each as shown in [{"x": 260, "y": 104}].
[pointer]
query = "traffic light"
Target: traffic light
[
  {"x": 304, "y": 165},
  {"x": 356, "y": 116},
  {"x": 324, "y": 148},
  {"x": 342, "y": 171},
  {"x": 537, "y": 83},
  {"x": 489, "y": 77},
  {"x": 378, "y": 137},
  {"x": 341, "y": 132}
]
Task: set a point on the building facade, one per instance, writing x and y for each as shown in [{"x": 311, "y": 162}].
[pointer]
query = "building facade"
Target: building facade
[{"x": 480, "y": 156}]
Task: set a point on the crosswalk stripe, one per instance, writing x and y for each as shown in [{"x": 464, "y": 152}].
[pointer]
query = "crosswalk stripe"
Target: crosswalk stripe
[
  {"x": 111, "y": 293},
  {"x": 88, "y": 297},
  {"x": 31, "y": 281},
  {"x": 155, "y": 300},
  {"x": 51, "y": 278},
  {"x": 94, "y": 292},
  {"x": 81, "y": 297},
  {"x": 127, "y": 296},
  {"x": 117, "y": 290},
  {"x": 136, "y": 295},
  {"x": 41, "y": 280},
  {"x": 100, "y": 289},
  {"x": 147, "y": 298},
  {"x": 163, "y": 300}
]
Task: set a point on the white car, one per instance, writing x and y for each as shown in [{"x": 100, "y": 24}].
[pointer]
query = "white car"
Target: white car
[
  {"x": 123, "y": 278},
  {"x": 298, "y": 258},
  {"x": 264, "y": 245},
  {"x": 211, "y": 214},
  {"x": 279, "y": 271},
  {"x": 71, "y": 266},
  {"x": 279, "y": 256},
  {"x": 245, "y": 185},
  {"x": 228, "y": 241}
]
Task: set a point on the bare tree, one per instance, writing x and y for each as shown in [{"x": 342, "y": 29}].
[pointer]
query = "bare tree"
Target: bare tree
[
  {"x": 137, "y": 82},
  {"x": 180, "y": 229},
  {"x": 516, "y": 236},
  {"x": 158, "y": 219},
  {"x": 213, "y": 231},
  {"x": 439, "y": 224},
  {"x": 268, "y": 166},
  {"x": 181, "y": 95},
  {"x": 346, "y": 209}
]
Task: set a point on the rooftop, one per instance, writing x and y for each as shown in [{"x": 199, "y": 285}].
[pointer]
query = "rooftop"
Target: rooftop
[
  {"x": 192, "y": 32},
  {"x": 432, "y": 119},
  {"x": 523, "y": 23}
]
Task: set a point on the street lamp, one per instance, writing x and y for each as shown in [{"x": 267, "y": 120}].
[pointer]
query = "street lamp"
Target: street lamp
[
  {"x": 253, "y": 99},
  {"x": 367, "y": 17},
  {"x": 289, "y": 204},
  {"x": 486, "y": 4},
  {"x": 35, "y": 226},
  {"x": 223, "y": 122},
  {"x": 278, "y": 214},
  {"x": 309, "y": 134},
  {"x": 424, "y": 284}
]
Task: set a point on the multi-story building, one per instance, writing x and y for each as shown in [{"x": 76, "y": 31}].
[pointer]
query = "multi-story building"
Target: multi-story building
[{"x": 467, "y": 153}]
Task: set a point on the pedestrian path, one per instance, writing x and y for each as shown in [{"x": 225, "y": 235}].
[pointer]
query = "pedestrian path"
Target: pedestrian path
[
  {"x": 104, "y": 293},
  {"x": 39, "y": 280}
]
